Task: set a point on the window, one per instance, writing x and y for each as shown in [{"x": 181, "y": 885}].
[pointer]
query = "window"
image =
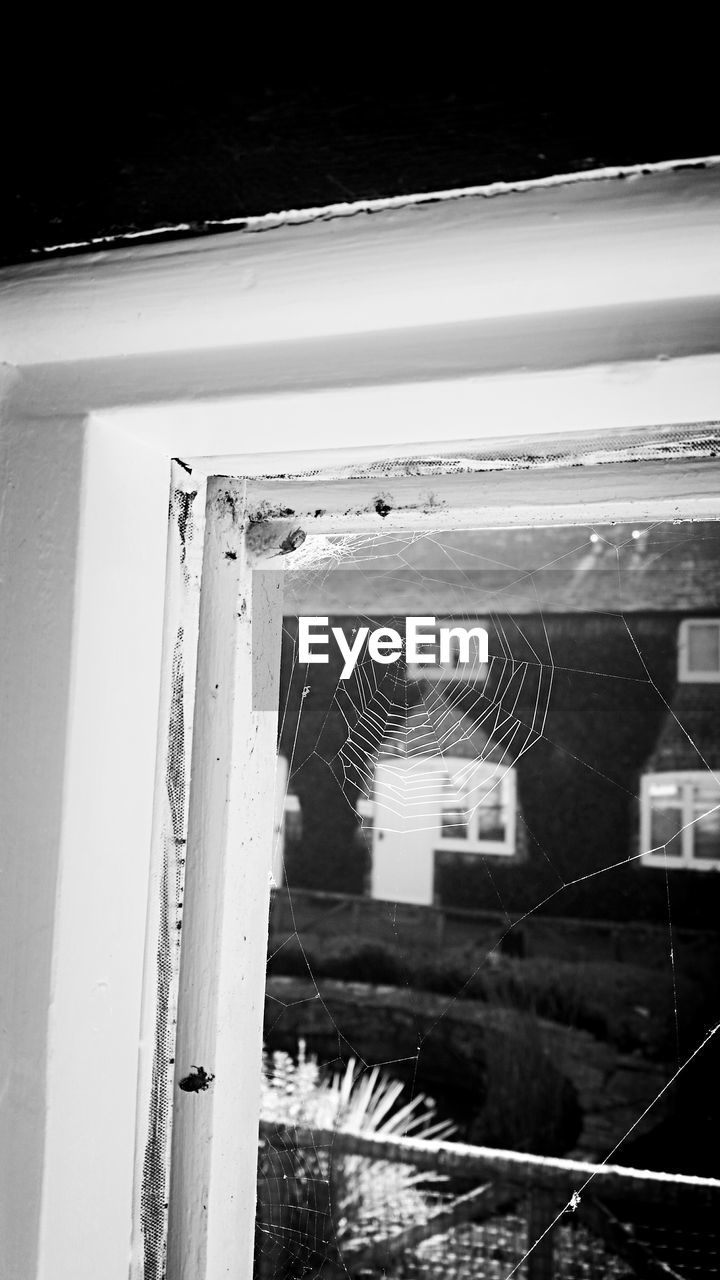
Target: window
[
  {"x": 680, "y": 820},
  {"x": 292, "y": 820},
  {"x": 459, "y": 666},
  {"x": 477, "y": 812},
  {"x": 699, "y": 650}
]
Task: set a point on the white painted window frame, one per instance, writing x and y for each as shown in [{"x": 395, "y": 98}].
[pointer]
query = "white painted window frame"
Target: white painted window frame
[
  {"x": 659, "y": 857},
  {"x": 505, "y": 779},
  {"x": 431, "y": 331},
  {"x": 685, "y": 674}
]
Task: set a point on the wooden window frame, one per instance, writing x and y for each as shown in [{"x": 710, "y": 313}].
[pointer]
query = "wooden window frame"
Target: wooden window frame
[
  {"x": 506, "y": 779},
  {"x": 685, "y": 674},
  {"x": 248, "y": 525},
  {"x": 658, "y": 857},
  {"x": 463, "y": 311}
]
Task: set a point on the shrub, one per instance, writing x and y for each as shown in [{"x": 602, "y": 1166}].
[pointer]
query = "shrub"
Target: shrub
[
  {"x": 352, "y": 960},
  {"x": 627, "y": 1005},
  {"x": 550, "y": 989},
  {"x": 298, "y": 1189},
  {"x": 528, "y": 1104},
  {"x": 370, "y": 961}
]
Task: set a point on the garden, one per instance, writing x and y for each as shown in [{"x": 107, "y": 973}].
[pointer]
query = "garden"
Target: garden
[{"x": 563, "y": 1054}]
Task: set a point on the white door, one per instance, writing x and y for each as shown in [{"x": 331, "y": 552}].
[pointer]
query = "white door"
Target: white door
[{"x": 406, "y": 821}]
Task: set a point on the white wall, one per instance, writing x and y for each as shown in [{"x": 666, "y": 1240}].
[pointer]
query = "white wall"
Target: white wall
[
  {"x": 39, "y": 519},
  {"x": 82, "y": 527}
]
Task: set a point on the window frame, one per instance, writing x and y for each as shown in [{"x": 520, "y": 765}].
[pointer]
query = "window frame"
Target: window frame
[
  {"x": 198, "y": 351},
  {"x": 507, "y": 780},
  {"x": 324, "y": 504},
  {"x": 658, "y": 857},
  {"x": 685, "y": 675}
]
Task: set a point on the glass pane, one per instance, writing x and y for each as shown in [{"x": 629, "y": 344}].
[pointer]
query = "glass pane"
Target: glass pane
[
  {"x": 469, "y": 989},
  {"x": 704, "y": 647},
  {"x": 490, "y": 820},
  {"x": 706, "y": 793},
  {"x": 665, "y": 823},
  {"x": 453, "y": 824},
  {"x": 706, "y": 832}
]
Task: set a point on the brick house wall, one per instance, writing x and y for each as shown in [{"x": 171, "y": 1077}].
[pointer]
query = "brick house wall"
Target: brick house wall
[{"x": 615, "y": 712}]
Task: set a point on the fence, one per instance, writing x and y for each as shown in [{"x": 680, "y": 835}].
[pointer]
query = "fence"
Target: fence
[
  {"x": 309, "y": 910},
  {"x": 501, "y": 1213}
]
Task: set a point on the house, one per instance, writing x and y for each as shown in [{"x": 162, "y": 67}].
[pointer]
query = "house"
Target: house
[{"x": 578, "y": 767}]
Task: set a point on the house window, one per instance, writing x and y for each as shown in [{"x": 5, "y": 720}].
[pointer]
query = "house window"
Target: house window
[
  {"x": 478, "y": 808},
  {"x": 699, "y": 650},
  {"x": 459, "y": 665},
  {"x": 292, "y": 820},
  {"x": 680, "y": 820}
]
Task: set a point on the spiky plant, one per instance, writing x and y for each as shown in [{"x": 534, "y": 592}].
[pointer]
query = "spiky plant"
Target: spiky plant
[{"x": 367, "y": 1199}]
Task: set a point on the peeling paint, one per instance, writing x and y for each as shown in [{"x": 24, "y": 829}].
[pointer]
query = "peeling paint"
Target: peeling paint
[
  {"x": 685, "y": 440},
  {"x": 183, "y": 501},
  {"x": 154, "y": 1188},
  {"x": 268, "y": 511},
  {"x": 229, "y": 501}
]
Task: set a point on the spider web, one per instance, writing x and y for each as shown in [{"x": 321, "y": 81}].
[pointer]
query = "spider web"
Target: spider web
[
  {"x": 423, "y": 762},
  {"x": 396, "y": 725}
]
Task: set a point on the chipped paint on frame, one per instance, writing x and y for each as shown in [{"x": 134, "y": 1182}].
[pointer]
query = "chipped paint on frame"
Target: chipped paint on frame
[{"x": 157, "y": 1058}]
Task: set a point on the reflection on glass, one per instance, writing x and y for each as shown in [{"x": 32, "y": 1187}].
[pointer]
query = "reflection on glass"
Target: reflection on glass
[
  {"x": 667, "y": 821},
  {"x": 490, "y": 819},
  {"x": 703, "y": 647},
  {"x": 706, "y": 832},
  {"x": 454, "y": 824},
  {"x": 477, "y": 907}
]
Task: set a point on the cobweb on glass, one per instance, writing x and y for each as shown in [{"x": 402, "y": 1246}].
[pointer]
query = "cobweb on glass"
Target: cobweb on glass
[{"x": 412, "y": 748}]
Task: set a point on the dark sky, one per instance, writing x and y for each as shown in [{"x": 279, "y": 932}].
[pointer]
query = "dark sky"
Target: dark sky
[{"x": 115, "y": 147}]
